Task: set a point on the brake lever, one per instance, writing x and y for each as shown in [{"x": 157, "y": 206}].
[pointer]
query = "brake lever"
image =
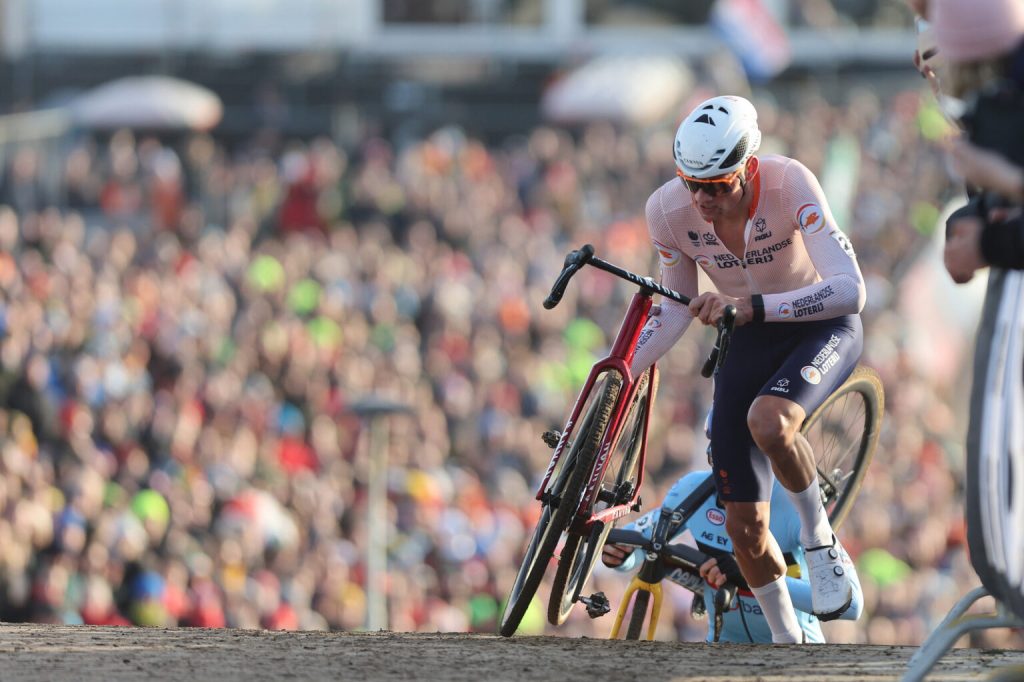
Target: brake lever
[
  {"x": 717, "y": 356},
  {"x": 725, "y": 335},
  {"x": 724, "y": 598}
]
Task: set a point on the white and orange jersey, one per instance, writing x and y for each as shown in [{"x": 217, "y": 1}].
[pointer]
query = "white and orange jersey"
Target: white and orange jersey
[{"x": 795, "y": 255}]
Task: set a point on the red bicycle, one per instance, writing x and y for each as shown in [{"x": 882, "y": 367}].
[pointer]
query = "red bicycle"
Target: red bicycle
[{"x": 597, "y": 467}]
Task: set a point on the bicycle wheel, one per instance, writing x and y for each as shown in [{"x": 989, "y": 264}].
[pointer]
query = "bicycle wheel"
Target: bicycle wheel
[
  {"x": 636, "y": 619},
  {"x": 843, "y": 433},
  {"x": 564, "y": 490},
  {"x": 573, "y": 568}
]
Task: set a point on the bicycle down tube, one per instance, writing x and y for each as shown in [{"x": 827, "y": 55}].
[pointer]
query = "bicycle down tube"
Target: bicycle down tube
[{"x": 618, "y": 360}]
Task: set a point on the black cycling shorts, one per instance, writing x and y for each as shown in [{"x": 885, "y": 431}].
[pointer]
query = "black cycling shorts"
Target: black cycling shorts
[{"x": 800, "y": 361}]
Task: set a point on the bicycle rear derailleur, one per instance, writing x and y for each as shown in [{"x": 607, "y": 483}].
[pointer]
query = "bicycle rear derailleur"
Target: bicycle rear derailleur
[{"x": 597, "y": 604}]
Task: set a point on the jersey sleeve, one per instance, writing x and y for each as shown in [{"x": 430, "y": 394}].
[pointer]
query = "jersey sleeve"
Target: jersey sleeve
[
  {"x": 678, "y": 272},
  {"x": 841, "y": 290}
]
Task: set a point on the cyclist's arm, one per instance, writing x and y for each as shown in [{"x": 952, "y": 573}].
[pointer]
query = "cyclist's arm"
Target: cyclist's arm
[
  {"x": 678, "y": 272},
  {"x": 841, "y": 290}
]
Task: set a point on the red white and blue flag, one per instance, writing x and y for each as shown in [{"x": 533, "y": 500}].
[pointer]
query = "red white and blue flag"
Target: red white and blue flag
[{"x": 753, "y": 33}]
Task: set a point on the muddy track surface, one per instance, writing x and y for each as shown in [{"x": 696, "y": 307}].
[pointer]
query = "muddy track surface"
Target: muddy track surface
[{"x": 59, "y": 653}]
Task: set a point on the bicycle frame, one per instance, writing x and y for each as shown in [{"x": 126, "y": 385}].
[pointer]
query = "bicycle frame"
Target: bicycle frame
[
  {"x": 579, "y": 516},
  {"x": 619, "y": 359},
  {"x": 655, "y": 591}
]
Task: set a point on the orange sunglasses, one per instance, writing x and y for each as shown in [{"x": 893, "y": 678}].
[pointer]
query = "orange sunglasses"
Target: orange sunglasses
[{"x": 711, "y": 186}]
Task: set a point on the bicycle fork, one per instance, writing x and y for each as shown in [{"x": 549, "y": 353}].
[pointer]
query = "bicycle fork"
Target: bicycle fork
[{"x": 654, "y": 589}]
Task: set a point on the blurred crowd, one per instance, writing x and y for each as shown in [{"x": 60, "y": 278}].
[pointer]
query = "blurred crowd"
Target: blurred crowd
[
  {"x": 186, "y": 329},
  {"x": 816, "y": 14}
]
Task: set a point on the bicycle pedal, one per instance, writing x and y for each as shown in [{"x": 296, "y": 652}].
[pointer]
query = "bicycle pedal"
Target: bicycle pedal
[
  {"x": 551, "y": 438},
  {"x": 597, "y": 604}
]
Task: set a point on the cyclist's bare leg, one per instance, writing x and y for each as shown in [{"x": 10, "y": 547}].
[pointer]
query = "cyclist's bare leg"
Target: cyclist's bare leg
[
  {"x": 760, "y": 560},
  {"x": 774, "y": 425},
  {"x": 757, "y": 553}
]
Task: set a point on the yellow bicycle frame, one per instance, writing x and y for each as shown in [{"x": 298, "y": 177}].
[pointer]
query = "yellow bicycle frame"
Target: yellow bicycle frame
[
  {"x": 655, "y": 609},
  {"x": 792, "y": 570}
]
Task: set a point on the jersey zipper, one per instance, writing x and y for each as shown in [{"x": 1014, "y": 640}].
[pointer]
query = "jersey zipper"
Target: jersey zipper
[
  {"x": 748, "y": 228},
  {"x": 743, "y": 257}
]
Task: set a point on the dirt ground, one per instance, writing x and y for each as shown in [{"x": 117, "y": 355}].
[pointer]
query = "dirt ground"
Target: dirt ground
[{"x": 60, "y": 653}]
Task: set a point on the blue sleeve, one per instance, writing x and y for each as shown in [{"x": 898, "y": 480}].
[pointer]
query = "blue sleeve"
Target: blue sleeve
[
  {"x": 785, "y": 521},
  {"x": 645, "y": 524}
]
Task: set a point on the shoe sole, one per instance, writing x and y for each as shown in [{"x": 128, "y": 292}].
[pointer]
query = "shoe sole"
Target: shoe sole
[{"x": 837, "y": 613}]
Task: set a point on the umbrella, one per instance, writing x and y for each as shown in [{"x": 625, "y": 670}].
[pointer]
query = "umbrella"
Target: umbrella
[
  {"x": 627, "y": 89},
  {"x": 148, "y": 102}
]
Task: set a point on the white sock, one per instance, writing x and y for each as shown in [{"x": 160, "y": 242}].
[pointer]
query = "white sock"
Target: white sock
[
  {"x": 778, "y": 611},
  {"x": 815, "y": 530}
]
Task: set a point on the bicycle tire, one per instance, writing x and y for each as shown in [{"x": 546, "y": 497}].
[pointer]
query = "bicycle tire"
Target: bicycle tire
[
  {"x": 840, "y": 484},
  {"x": 542, "y": 545},
  {"x": 571, "y": 571},
  {"x": 641, "y": 599}
]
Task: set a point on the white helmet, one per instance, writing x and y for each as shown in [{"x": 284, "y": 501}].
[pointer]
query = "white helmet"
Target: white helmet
[{"x": 717, "y": 137}]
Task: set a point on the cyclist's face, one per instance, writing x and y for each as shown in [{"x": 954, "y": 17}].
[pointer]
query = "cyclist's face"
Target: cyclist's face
[{"x": 715, "y": 195}]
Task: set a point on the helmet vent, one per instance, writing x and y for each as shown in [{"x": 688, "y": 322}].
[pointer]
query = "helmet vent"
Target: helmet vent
[
  {"x": 704, "y": 118},
  {"x": 738, "y": 152}
]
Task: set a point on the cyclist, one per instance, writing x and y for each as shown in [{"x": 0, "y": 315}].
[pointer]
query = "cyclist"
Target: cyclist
[
  {"x": 745, "y": 622},
  {"x": 762, "y": 231}
]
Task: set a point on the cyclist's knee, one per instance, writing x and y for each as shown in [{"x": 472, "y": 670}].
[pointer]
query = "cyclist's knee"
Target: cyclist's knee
[
  {"x": 773, "y": 422},
  {"x": 747, "y": 526}
]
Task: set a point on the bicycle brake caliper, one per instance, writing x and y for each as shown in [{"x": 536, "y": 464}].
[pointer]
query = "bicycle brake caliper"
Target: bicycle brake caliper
[{"x": 597, "y": 604}]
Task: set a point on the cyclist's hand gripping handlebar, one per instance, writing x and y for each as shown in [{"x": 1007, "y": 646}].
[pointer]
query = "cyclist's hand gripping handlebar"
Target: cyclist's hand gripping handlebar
[
  {"x": 717, "y": 356},
  {"x": 573, "y": 262}
]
